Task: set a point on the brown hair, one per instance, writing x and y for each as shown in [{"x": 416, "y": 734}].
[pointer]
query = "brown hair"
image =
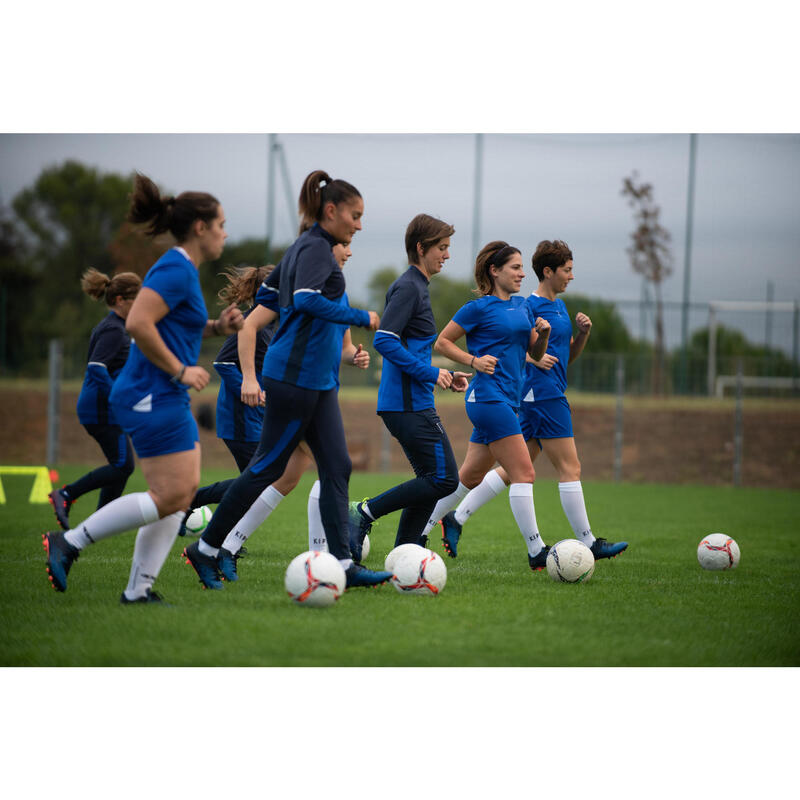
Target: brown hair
[
  {"x": 173, "y": 214},
  {"x": 494, "y": 254},
  {"x": 314, "y": 194},
  {"x": 550, "y": 254},
  {"x": 243, "y": 284},
  {"x": 97, "y": 284},
  {"x": 427, "y": 231}
]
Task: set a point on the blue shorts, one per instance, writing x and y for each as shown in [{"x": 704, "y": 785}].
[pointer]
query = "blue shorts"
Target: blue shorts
[
  {"x": 492, "y": 421},
  {"x": 546, "y": 419},
  {"x": 163, "y": 429}
]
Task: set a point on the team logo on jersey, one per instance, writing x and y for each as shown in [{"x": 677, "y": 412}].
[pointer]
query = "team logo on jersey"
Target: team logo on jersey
[
  {"x": 145, "y": 404},
  {"x": 528, "y": 397}
]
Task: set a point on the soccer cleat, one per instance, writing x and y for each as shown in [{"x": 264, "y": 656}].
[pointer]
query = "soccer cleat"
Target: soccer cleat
[
  {"x": 182, "y": 529},
  {"x": 539, "y": 561},
  {"x": 61, "y": 504},
  {"x": 451, "y": 533},
  {"x": 226, "y": 561},
  {"x": 601, "y": 548},
  {"x": 361, "y": 576},
  {"x": 60, "y": 555},
  {"x": 423, "y": 540},
  {"x": 206, "y": 567},
  {"x": 149, "y": 597},
  {"x": 360, "y": 525}
]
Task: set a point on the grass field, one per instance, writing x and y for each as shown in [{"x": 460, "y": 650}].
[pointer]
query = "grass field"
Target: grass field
[{"x": 652, "y": 606}]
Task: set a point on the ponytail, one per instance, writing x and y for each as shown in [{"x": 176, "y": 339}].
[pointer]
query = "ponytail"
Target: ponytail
[
  {"x": 317, "y": 190},
  {"x": 243, "y": 284},
  {"x": 97, "y": 284}
]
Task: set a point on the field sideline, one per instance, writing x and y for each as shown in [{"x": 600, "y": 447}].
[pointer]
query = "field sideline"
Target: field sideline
[{"x": 652, "y": 606}]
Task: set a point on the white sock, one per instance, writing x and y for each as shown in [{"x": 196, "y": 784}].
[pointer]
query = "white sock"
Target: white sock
[
  {"x": 444, "y": 505},
  {"x": 486, "y": 490},
  {"x": 365, "y": 509},
  {"x": 316, "y": 532},
  {"x": 263, "y": 506},
  {"x": 120, "y": 515},
  {"x": 206, "y": 549},
  {"x": 153, "y": 543},
  {"x": 572, "y": 502},
  {"x": 520, "y": 497}
]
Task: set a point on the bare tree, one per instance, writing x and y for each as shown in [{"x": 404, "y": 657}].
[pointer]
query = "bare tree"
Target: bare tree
[{"x": 651, "y": 257}]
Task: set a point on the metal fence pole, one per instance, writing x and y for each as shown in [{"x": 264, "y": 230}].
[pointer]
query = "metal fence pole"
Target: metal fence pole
[
  {"x": 618, "y": 421},
  {"x": 737, "y": 427},
  {"x": 53, "y": 401}
]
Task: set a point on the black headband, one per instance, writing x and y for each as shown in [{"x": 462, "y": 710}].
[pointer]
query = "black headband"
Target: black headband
[{"x": 496, "y": 261}]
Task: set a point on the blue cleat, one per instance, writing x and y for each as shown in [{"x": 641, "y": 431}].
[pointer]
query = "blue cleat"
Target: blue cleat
[
  {"x": 61, "y": 503},
  {"x": 226, "y": 561},
  {"x": 423, "y": 540},
  {"x": 601, "y": 548},
  {"x": 451, "y": 533},
  {"x": 60, "y": 555},
  {"x": 206, "y": 567},
  {"x": 361, "y": 576},
  {"x": 149, "y": 597},
  {"x": 539, "y": 561},
  {"x": 360, "y": 525}
]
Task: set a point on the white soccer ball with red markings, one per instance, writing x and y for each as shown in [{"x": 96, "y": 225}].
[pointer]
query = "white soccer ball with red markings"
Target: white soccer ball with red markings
[
  {"x": 315, "y": 579},
  {"x": 570, "y": 561},
  {"x": 718, "y": 551},
  {"x": 403, "y": 550},
  {"x": 419, "y": 573}
]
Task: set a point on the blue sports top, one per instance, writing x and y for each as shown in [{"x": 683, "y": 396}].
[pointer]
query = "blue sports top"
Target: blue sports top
[
  {"x": 544, "y": 384},
  {"x": 307, "y": 287},
  {"x": 235, "y": 419},
  {"x": 175, "y": 279},
  {"x": 406, "y": 335},
  {"x": 499, "y": 328},
  {"x": 108, "y": 349}
]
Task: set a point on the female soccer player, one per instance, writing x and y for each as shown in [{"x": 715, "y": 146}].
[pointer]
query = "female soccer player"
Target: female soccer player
[
  {"x": 108, "y": 350},
  {"x": 150, "y": 397},
  {"x": 252, "y": 396},
  {"x": 545, "y": 413},
  {"x": 500, "y": 330},
  {"x": 405, "y": 396},
  {"x": 300, "y": 390}
]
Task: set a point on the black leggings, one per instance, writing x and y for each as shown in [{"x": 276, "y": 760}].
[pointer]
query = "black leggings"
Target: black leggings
[
  {"x": 291, "y": 414},
  {"x": 110, "y": 479}
]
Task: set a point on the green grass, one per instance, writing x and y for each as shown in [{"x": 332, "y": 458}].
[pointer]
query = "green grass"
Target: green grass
[{"x": 652, "y": 606}]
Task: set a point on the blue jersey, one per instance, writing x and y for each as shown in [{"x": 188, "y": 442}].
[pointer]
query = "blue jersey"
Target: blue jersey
[
  {"x": 307, "y": 287},
  {"x": 141, "y": 383},
  {"x": 108, "y": 350},
  {"x": 545, "y": 384},
  {"x": 406, "y": 335},
  {"x": 235, "y": 419},
  {"x": 499, "y": 328}
]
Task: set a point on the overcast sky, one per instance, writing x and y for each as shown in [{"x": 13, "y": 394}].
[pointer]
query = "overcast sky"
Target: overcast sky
[{"x": 747, "y": 197}]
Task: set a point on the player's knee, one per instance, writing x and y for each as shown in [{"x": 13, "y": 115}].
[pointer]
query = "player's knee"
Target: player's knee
[{"x": 446, "y": 485}]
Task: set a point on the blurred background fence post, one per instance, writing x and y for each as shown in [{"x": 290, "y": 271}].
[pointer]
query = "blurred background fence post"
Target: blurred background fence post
[
  {"x": 53, "y": 400},
  {"x": 618, "y": 420},
  {"x": 738, "y": 433}
]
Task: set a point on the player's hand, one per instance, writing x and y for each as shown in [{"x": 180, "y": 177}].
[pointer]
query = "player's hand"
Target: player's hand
[
  {"x": 485, "y": 364},
  {"x": 361, "y": 357},
  {"x": 230, "y": 320},
  {"x": 583, "y": 322},
  {"x": 542, "y": 326},
  {"x": 195, "y": 378},
  {"x": 547, "y": 361},
  {"x": 445, "y": 379},
  {"x": 374, "y": 321},
  {"x": 460, "y": 381},
  {"x": 251, "y": 393}
]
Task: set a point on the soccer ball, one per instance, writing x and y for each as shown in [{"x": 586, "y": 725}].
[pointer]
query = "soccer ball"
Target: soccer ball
[
  {"x": 315, "y": 579},
  {"x": 570, "y": 561},
  {"x": 718, "y": 551},
  {"x": 198, "y": 521},
  {"x": 419, "y": 573},
  {"x": 400, "y": 551}
]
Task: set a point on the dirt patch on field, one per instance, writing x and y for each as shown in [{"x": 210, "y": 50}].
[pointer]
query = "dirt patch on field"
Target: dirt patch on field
[{"x": 665, "y": 445}]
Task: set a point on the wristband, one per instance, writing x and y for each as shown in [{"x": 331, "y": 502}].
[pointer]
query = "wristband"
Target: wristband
[
  {"x": 177, "y": 378},
  {"x": 214, "y": 327},
  {"x": 472, "y": 362}
]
